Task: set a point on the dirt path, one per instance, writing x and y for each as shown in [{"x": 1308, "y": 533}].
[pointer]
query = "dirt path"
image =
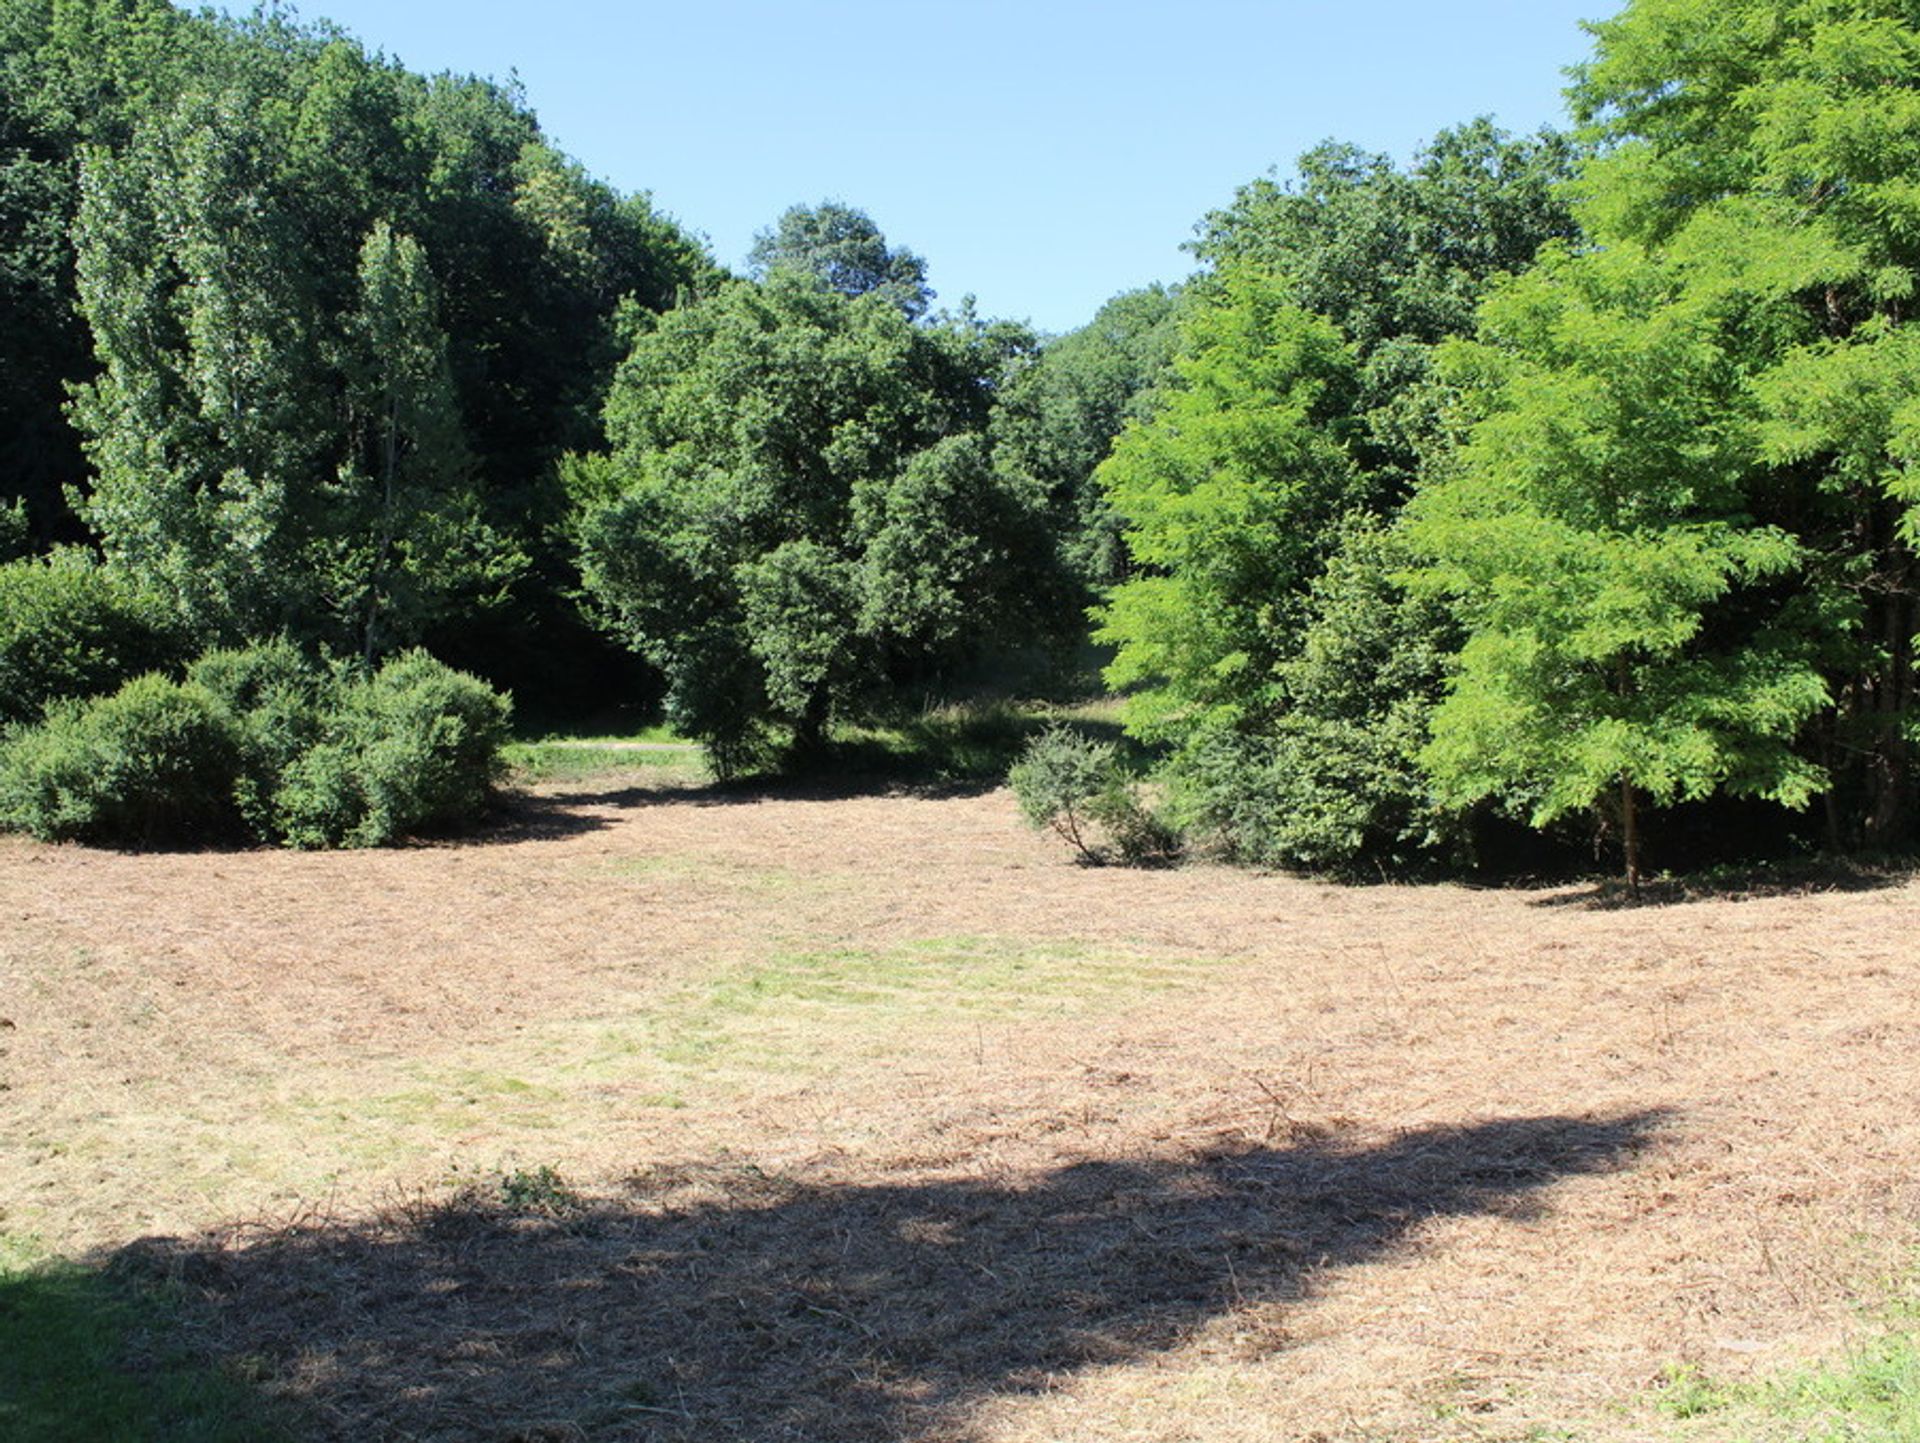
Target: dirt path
[{"x": 878, "y": 1118}]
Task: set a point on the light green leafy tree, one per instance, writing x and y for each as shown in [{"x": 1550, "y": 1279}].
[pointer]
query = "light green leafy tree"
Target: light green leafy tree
[
  {"x": 1770, "y": 146},
  {"x": 1281, "y": 753},
  {"x": 1634, "y": 630},
  {"x": 1231, "y": 491}
]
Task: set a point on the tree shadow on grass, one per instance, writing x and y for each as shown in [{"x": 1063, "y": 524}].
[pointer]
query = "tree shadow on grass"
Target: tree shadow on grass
[
  {"x": 723, "y": 1303},
  {"x": 550, "y": 815},
  {"x": 1738, "y": 884}
]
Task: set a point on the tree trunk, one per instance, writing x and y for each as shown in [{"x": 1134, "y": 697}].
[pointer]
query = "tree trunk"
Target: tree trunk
[
  {"x": 1892, "y": 617},
  {"x": 1630, "y": 833}
]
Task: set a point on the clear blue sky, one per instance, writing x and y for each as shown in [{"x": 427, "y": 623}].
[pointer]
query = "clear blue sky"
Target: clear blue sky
[{"x": 1042, "y": 154}]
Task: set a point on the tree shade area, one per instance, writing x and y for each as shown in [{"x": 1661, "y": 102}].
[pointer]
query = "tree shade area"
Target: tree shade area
[{"x": 1557, "y": 482}]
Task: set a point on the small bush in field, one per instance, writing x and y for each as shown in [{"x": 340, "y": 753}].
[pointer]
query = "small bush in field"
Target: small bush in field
[
  {"x": 276, "y": 699},
  {"x": 1076, "y": 787},
  {"x": 68, "y": 630},
  {"x": 415, "y": 746},
  {"x": 153, "y": 763}
]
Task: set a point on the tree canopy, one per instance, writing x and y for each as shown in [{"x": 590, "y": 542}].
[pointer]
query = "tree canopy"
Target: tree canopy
[{"x": 1537, "y": 478}]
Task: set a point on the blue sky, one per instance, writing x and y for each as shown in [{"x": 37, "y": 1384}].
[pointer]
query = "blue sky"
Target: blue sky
[{"x": 1042, "y": 154}]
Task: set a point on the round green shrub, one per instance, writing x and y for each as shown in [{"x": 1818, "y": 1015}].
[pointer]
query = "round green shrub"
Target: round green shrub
[
  {"x": 276, "y": 697},
  {"x": 152, "y": 764},
  {"x": 68, "y": 629},
  {"x": 414, "y": 747}
]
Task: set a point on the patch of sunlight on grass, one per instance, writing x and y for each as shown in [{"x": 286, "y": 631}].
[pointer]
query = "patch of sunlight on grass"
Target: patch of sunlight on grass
[{"x": 569, "y": 761}]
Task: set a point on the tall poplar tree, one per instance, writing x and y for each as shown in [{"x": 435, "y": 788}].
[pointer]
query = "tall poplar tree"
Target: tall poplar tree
[
  {"x": 207, "y": 424},
  {"x": 405, "y": 538}
]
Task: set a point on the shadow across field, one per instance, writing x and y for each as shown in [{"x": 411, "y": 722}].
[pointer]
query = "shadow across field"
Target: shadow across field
[
  {"x": 551, "y": 814},
  {"x": 1729, "y": 884},
  {"x": 725, "y": 1303}
]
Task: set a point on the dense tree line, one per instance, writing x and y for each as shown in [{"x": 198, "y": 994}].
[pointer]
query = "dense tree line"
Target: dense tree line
[
  {"x": 1550, "y": 482},
  {"x": 326, "y": 327}
]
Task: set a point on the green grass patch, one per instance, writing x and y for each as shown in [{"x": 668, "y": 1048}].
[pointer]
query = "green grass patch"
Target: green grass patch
[
  {"x": 810, "y": 1012},
  {"x": 1871, "y": 1394},
  {"x": 968, "y": 741},
  {"x": 566, "y": 760},
  {"x": 87, "y": 1357}
]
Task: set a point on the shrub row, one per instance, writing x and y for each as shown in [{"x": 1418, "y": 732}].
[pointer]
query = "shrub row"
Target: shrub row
[{"x": 259, "y": 744}]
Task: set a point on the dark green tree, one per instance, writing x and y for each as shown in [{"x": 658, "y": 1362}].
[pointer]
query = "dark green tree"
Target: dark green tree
[
  {"x": 1057, "y": 417},
  {"x": 798, "y": 519},
  {"x": 845, "y": 251}
]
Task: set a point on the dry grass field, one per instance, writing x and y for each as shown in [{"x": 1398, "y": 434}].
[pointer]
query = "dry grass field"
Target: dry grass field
[{"x": 663, "y": 1113}]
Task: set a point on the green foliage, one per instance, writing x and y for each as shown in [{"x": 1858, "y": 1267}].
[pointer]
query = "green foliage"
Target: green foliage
[
  {"x": 275, "y": 700},
  {"x": 1871, "y": 1395},
  {"x": 151, "y": 764},
  {"x": 407, "y": 542},
  {"x": 797, "y": 519},
  {"x": 1262, "y": 631},
  {"x": 1389, "y": 254},
  {"x": 1333, "y": 783},
  {"x": 332, "y": 324},
  {"x": 1628, "y": 625},
  {"x": 1076, "y": 787},
  {"x": 1230, "y": 490},
  {"x": 15, "y": 534},
  {"x": 1057, "y": 418},
  {"x": 413, "y": 747},
  {"x": 260, "y": 742},
  {"x": 841, "y": 248},
  {"x": 539, "y": 1192},
  {"x": 70, "y": 629},
  {"x": 1765, "y": 151}
]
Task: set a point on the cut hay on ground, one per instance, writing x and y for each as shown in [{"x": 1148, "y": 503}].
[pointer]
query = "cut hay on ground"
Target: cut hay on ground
[{"x": 683, "y": 1115}]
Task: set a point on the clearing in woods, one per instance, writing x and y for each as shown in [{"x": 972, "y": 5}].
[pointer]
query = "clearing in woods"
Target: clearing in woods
[{"x": 681, "y": 1114}]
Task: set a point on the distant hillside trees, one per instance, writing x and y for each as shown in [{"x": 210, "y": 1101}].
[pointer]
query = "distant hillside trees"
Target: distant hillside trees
[
  {"x": 841, "y": 247},
  {"x": 1057, "y": 417}
]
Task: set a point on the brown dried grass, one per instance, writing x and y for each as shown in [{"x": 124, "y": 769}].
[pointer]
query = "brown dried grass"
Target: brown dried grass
[{"x": 887, "y": 1121}]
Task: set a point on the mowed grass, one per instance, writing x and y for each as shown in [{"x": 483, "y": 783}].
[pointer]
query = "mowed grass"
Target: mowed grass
[
  {"x": 794, "y": 1015},
  {"x": 873, "y": 1106}
]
